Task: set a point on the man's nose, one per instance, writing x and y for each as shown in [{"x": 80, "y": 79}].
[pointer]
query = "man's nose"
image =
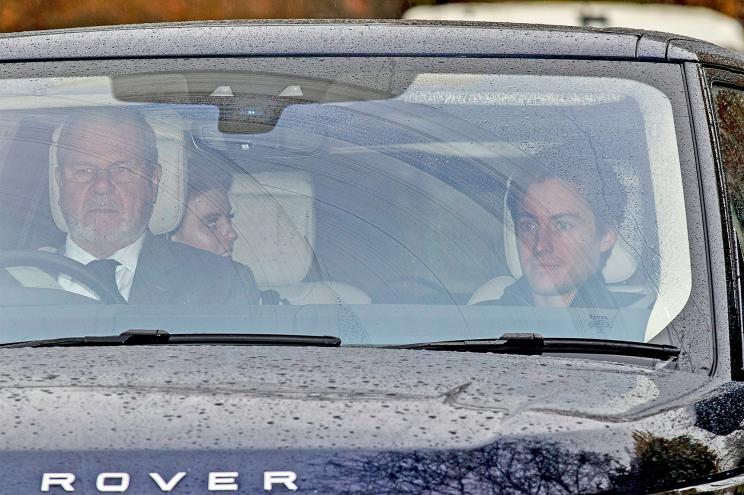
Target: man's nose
[
  {"x": 543, "y": 240},
  {"x": 102, "y": 183},
  {"x": 229, "y": 233}
]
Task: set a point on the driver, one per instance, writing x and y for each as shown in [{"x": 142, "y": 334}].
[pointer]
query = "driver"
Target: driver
[{"x": 108, "y": 176}]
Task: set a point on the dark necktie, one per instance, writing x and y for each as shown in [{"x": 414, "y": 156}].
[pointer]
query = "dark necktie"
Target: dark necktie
[{"x": 105, "y": 272}]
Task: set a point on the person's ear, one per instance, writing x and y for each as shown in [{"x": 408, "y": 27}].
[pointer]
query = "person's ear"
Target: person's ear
[{"x": 608, "y": 240}]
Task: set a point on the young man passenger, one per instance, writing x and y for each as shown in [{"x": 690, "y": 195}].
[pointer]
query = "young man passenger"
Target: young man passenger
[
  {"x": 108, "y": 176},
  {"x": 566, "y": 227}
]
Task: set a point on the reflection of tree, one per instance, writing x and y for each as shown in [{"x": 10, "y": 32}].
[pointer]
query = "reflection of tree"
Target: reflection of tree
[
  {"x": 524, "y": 467},
  {"x": 663, "y": 463},
  {"x": 22, "y": 15},
  {"x": 511, "y": 467}
]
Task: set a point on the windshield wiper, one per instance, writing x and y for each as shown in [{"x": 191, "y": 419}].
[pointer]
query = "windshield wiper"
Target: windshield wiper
[
  {"x": 154, "y": 337},
  {"x": 535, "y": 344}
]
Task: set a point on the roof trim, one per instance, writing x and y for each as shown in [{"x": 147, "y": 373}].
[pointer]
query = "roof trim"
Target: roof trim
[
  {"x": 357, "y": 38},
  {"x": 350, "y": 38}
]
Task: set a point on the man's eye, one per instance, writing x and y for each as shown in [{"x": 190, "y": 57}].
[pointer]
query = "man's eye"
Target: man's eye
[
  {"x": 211, "y": 223},
  {"x": 526, "y": 225},
  {"x": 82, "y": 173},
  {"x": 123, "y": 173},
  {"x": 562, "y": 226}
]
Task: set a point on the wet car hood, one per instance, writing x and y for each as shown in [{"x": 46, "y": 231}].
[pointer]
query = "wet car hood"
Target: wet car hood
[{"x": 331, "y": 415}]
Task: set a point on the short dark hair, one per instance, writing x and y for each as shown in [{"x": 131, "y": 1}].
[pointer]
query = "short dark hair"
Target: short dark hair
[
  {"x": 598, "y": 184},
  {"x": 77, "y": 117}
]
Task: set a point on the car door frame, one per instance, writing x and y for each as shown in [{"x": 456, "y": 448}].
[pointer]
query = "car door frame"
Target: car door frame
[{"x": 716, "y": 196}]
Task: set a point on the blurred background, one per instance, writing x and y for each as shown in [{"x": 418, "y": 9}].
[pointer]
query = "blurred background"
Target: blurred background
[{"x": 719, "y": 21}]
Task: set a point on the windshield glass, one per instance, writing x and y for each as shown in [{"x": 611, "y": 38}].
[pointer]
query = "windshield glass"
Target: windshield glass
[{"x": 383, "y": 205}]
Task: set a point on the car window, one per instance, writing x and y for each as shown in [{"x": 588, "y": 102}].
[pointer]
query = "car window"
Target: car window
[
  {"x": 386, "y": 207},
  {"x": 730, "y": 113}
]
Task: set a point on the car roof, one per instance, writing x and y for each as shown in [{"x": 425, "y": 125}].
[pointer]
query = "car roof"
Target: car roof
[{"x": 359, "y": 38}]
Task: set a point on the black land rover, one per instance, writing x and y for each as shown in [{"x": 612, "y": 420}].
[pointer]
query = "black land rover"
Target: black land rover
[{"x": 370, "y": 257}]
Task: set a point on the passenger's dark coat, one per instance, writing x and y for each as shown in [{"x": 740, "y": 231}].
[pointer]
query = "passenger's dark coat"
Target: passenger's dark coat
[
  {"x": 174, "y": 273},
  {"x": 592, "y": 294}
]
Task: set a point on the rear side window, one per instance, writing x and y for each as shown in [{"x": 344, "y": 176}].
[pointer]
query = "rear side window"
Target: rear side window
[{"x": 730, "y": 113}]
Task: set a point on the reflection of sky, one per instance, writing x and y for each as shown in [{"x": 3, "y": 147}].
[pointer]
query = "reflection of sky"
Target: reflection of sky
[{"x": 510, "y": 126}]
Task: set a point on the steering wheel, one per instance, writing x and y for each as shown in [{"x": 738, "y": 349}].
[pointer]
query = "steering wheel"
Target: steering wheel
[
  {"x": 51, "y": 262},
  {"x": 388, "y": 291}
]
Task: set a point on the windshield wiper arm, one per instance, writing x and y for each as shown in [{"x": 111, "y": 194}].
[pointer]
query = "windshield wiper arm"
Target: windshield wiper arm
[
  {"x": 536, "y": 344},
  {"x": 153, "y": 337}
]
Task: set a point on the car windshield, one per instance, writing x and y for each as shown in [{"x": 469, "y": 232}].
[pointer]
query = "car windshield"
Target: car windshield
[{"x": 382, "y": 203}]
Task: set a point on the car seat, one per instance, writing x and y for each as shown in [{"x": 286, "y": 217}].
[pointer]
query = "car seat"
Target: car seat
[{"x": 273, "y": 216}]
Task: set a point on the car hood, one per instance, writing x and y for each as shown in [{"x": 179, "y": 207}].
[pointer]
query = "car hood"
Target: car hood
[{"x": 332, "y": 412}]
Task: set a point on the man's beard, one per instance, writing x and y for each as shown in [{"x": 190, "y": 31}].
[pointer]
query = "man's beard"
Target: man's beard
[{"x": 118, "y": 236}]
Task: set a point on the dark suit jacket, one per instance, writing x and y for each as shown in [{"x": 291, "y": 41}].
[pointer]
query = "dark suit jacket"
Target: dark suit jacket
[
  {"x": 592, "y": 294},
  {"x": 174, "y": 273}
]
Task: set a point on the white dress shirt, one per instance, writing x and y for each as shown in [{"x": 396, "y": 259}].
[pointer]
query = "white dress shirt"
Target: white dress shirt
[{"x": 126, "y": 256}]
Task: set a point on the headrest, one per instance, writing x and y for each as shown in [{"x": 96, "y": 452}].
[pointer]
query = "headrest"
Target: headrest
[
  {"x": 170, "y": 205},
  {"x": 620, "y": 266},
  {"x": 273, "y": 217}
]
